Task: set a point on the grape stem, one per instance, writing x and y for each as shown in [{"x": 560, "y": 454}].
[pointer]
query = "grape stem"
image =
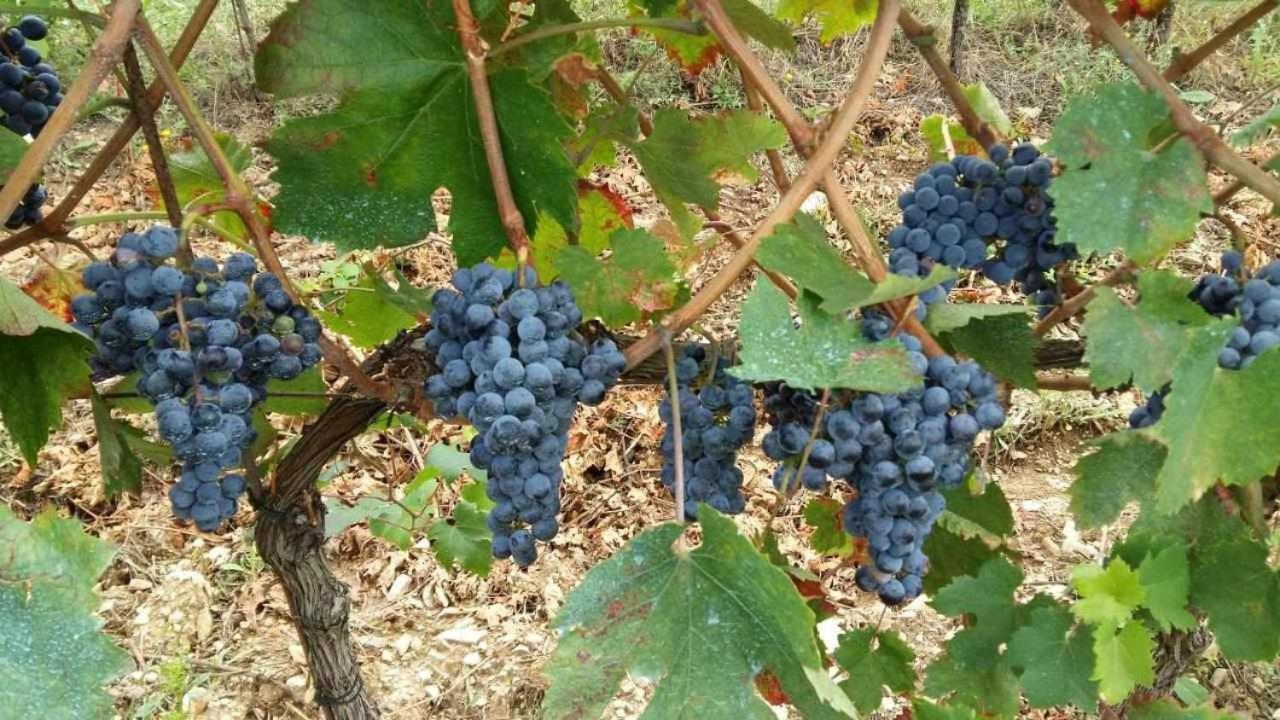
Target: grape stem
[
  {"x": 508, "y": 212},
  {"x": 1201, "y": 136},
  {"x": 677, "y": 433},
  {"x": 803, "y": 136},
  {"x": 53, "y": 225},
  {"x": 927, "y": 44},
  {"x": 1061, "y": 382},
  {"x": 816, "y": 168},
  {"x": 1184, "y": 63},
  {"x": 679, "y": 25},
  {"x": 818, "y": 417},
  {"x": 145, "y": 113},
  {"x": 240, "y": 197},
  {"x": 103, "y": 56},
  {"x": 1074, "y": 304}
]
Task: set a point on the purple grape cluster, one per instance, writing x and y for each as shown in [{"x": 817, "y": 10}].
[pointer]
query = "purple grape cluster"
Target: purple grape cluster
[
  {"x": 29, "y": 87},
  {"x": 1254, "y": 301},
  {"x": 717, "y": 417},
  {"x": 895, "y": 450},
  {"x": 956, "y": 211},
  {"x": 205, "y": 340},
  {"x": 512, "y": 364}
]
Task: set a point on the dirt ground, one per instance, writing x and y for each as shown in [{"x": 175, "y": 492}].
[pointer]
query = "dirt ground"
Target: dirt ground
[{"x": 208, "y": 628}]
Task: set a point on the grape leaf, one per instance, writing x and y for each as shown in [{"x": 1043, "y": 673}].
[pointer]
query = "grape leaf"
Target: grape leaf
[
  {"x": 824, "y": 352},
  {"x": 987, "y": 106},
  {"x": 465, "y": 541},
  {"x": 12, "y": 148},
  {"x": 1166, "y": 580},
  {"x": 701, "y": 623},
  {"x": 545, "y": 247},
  {"x": 1056, "y": 662},
  {"x": 1190, "y": 692},
  {"x": 952, "y": 555},
  {"x": 824, "y": 515},
  {"x": 685, "y": 157},
  {"x": 1166, "y": 709},
  {"x": 365, "y": 315},
  {"x": 924, "y": 710},
  {"x": 1121, "y": 470},
  {"x": 1240, "y": 593},
  {"x": 693, "y": 52},
  {"x": 836, "y": 17},
  {"x": 363, "y": 175},
  {"x": 1137, "y": 193},
  {"x": 452, "y": 463},
  {"x": 937, "y": 130},
  {"x": 195, "y": 177},
  {"x": 1213, "y": 424},
  {"x": 636, "y": 281},
  {"x": 985, "y": 515},
  {"x": 121, "y": 468},
  {"x": 988, "y": 600},
  {"x": 405, "y": 296},
  {"x": 760, "y": 25},
  {"x": 1107, "y": 597},
  {"x": 54, "y": 656},
  {"x": 604, "y": 126},
  {"x": 393, "y": 521},
  {"x": 800, "y": 250},
  {"x": 601, "y": 212},
  {"x": 1258, "y": 127},
  {"x": 888, "y": 664},
  {"x": 991, "y": 691},
  {"x": 1142, "y": 341},
  {"x": 45, "y": 361},
  {"x": 997, "y": 336},
  {"x": 1123, "y": 660}
]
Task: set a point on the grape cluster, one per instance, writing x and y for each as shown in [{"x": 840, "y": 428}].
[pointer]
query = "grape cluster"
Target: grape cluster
[
  {"x": 29, "y": 90},
  {"x": 511, "y": 363},
  {"x": 1255, "y": 301},
  {"x": 204, "y": 340},
  {"x": 896, "y": 451},
  {"x": 29, "y": 87},
  {"x": 717, "y": 417},
  {"x": 955, "y": 210}
]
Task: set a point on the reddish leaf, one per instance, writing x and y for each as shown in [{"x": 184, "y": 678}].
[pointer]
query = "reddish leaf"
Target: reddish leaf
[
  {"x": 53, "y": 288},
  {"x": 770, "y": 689}
]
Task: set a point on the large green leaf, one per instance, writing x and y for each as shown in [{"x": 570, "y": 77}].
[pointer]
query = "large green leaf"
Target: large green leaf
[
  {"x": 1125, "y": 189},
  {"x": 1214, "y": 424},
  {"x": 363, "y": 175},
  {"x": 1166, "y": 580},
  {"x": 44, "y": 360},
  {"x": 1240, "y": 593},
  {"x": 986, "y": 515},
  {"x": 1142, "y": 341},
  {"x": 997, "y": 336},
  {"x": 871, "y": 669},
  {"x": 636, "y": 281},
  {"x": 702, "y": 624},
  {"x": 52, "y": 653},
  {"x": 800, "y": 250},
  {"x": 1056, "y": 661},
  {"x": 1122, "y": 469},
  {"x": 991, "y": 691},
  {"x": 988, "y": 600},
  {"x": 826, "y": 351}
]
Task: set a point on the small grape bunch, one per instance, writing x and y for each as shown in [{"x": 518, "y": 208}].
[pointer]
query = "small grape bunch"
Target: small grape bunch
[
  {"x": 29, "y": 210},
  {"x": 205, "y": 340},
  {"x": 29, "y": 87},
  {"x": 717, "y": 417},
  {"x": 512, "y": 363}
]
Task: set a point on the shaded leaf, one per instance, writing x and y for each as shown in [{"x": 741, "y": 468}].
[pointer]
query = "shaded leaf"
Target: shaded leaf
[
  {"x": 828, "y": 537},
  {"x": 195, "y": 177},
  {"x": 1056, "y": 661},
  {"x": 1122, "y": 469},
  {"x": 1258, "y": 127},
  {"x": 121, "y": 468},
  {"x": 991, "y": 691},
  {"x": 45, "y": 361},
  {"x": 988, "y": 600},
  {"x": 871, "y": 669},
  {"x": 701, "y": 623},
  {"x": 952, "y": 555},
  {"x": 1238, "y": 590},
  {"x": 824, "y": 352},
  {"x": 310, "y": 382},
  {"x": 986, "y": 515},
  {"x": 998, "y": 337},
  {"x": 465, "y": 541}
]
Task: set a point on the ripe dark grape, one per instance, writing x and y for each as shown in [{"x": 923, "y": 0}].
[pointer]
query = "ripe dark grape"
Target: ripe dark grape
[
  {"x": 24, "y": 73},
  {"x": 512, "y": 364},
  {"x": 956, "y": 211},
  {"x": 717, "y": 417},
  {"x": 895, "y": 450},
  {"x": 205, "y": 372},
  {"x": 1254, "y": 301}
]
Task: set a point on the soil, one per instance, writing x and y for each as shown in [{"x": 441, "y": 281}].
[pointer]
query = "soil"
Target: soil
[{"x": 208, "y": 627}]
